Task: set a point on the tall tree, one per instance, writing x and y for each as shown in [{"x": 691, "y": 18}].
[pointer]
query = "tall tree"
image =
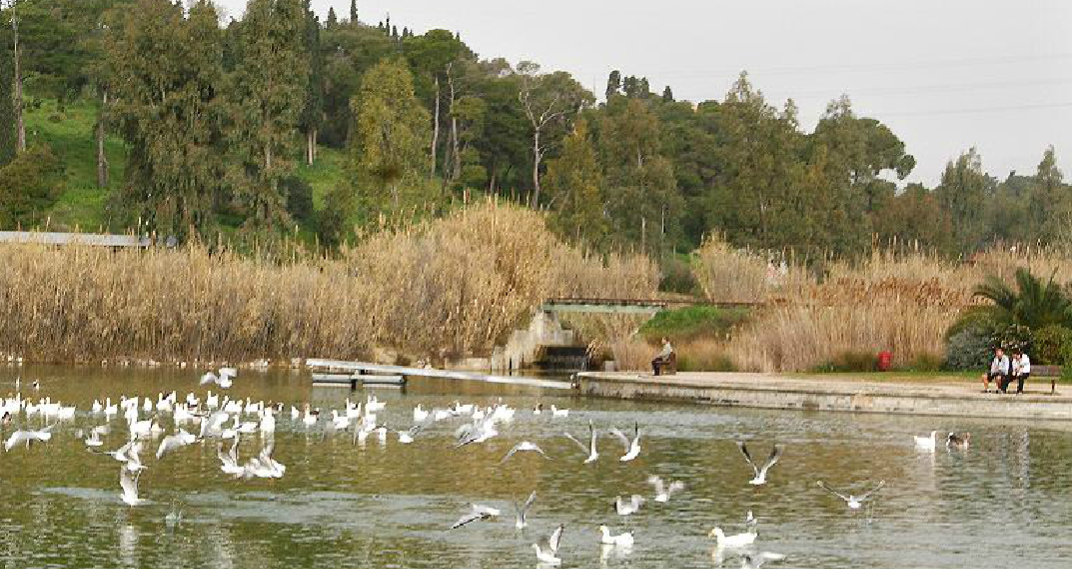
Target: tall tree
[
  {"x": 20, "y": 124},
  {"x": 169, "y": 110},
  {"x": 313, "y": 114},
  {"x": 549, "y": 101},
  {"x": 8, "y": 131},
  {"x": 1050, "y": 201},
  {"x": 964, "y": 192},
  {"x": 333, "y": 20},
  {"x": 614, "y": 84},
  {"x": 574, "y": 183},
  {"x": 391, "y": 132},
  {"x": 267, "y": 98},
  {"x": 353, "y": 11}
]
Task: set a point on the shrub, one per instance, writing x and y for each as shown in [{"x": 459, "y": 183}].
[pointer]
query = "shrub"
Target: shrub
[
  {"x": 678, "y": 277},
  {"x": 968, "y": 349},
  {"x": 1011, "y": 338},
  {"x": 29, "y": 185},
  {"x": 299, "y": 198},
  {"x": 1050, "y": 345}
]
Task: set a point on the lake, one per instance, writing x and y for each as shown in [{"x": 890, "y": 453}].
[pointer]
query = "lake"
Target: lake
[{"x": 1001, "y": 503}]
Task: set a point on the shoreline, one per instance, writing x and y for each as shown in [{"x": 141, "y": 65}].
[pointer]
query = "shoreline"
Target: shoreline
[{"x": 804, "y": 393}]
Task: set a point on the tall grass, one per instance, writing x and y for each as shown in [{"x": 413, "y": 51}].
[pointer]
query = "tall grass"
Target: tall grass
[
  {"x": 444, "y": 288},
  {"x": 730, "y": 275}
]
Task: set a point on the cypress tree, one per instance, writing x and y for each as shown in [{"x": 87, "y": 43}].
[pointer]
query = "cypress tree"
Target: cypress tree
[
  {"x": 668, "y": 94},
  {"x": 353, "y": 11},
  {"x": 614, "y": 83},
  {"x": 8, "y": 137},
  {"x": 333, "y": 20}
]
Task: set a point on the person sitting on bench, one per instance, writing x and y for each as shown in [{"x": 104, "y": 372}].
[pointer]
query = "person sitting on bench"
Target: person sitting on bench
[
  {"x": 999, "y": 370},
  {"x": 1021, "y": 370},
  {"x": 663, "y": 359}
]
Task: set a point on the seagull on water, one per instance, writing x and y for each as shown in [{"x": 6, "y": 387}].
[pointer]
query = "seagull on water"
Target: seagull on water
[
  {"x": 477, "y": 513},
  {"x": 664, "y": 491},
  {"x": 756, "y": 560},
  {"x": 620, "y": 540},
  {"x": 547, "y": 549},
  {"x": 629, "y": 508},
  {"x": 735, "y": 541},
  {"x": 524, "y": 446},
  {"x": 761, "y": 473},
  {"x": 593, "y": 452},
  {"x": 854, "y": 502},
  {"x": 632, "y": 447},
  {"x": 927, "y": 443},
  {"x": 419, "y": 414},
  {"x": 958, "y": 440},
  {"x": 522, "y": 510}
]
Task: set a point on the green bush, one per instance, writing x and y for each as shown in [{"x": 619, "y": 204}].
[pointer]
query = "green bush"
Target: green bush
[
  {"x": 29, "y": 185},
  {"x": 299, "y": 198},
  {"x": 693, "y": 322},
  {"x": 968, "y": 349},
  {"x": 1051, "y": 344}
]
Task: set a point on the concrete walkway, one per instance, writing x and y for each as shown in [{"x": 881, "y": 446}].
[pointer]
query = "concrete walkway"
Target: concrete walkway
[{"x": 957, "y": 398}]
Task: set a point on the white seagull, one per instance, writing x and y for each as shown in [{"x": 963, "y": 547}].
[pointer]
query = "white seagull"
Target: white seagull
[
  {"x": 28, "y": 437},
  {"x": 629, "y": 508},
  {"x": 736, "y": 541},
  {"x": 761, "y": 473},
  {"x": 593, "y": 452},
  {"x": 664, "y": 491},
  {"x": 620, "y": 540},
  {"x": 477, "y": 513},
  {"x": 522, "y": 511},
  {"x": 854, "y": 502},
  {"x": 927, "y": 443},
  {"x": 174, "y": 442},
  {"x": 225, "y": 379},
  {"x": 632, "y": 447},
  {"x": 547, "y": 549},
  {"x": 128, "y": 482},
  {"x": 524, "y": 446}
]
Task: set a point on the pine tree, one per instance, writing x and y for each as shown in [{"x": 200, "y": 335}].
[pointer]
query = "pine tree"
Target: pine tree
[
  {"x": 668, "y": 94},
  {"x": 268, "y": 98},
  {"x": 353, "y": 11},
  {"x": 574, "y": 184},
  {"x": 614, "y": 84}
]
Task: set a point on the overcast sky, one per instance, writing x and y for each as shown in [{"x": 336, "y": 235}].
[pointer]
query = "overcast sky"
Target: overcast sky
[{"x": 945, "y": 75}]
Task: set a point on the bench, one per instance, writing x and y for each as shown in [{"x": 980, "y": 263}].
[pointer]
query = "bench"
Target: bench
[
  {"x": 1052, "y": 372},
  {"x": 669, "y": 367}
]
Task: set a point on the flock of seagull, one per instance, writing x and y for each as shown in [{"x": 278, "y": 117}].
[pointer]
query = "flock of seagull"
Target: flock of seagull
[{"x": 220, "y": 419}]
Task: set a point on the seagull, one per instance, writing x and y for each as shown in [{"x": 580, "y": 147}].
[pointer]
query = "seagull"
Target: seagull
[
  {"x": 128, "y": 481},
  {"x": 632, "y": 448},
  {"x": 662, "y": 491},
  {"x": 620, "y": 540},
  {"x": 593, "y": 452},
  {"x": 229, "y": 461},
  {"x": 736, "y": 541},
  {"x": 854, "y": 502},
  {"x": 556, "y": 412},
  {"x": 629, "y": 508},
  {"x": 522, "y": 510},
  {"x": 522, "y": 447},
  {"x": 174, "y": 442},
  {"x": 419, "y": 414},
  {"x": 224, "y": 379},
  {"x": 94, "y": 438},
  {"x": 547, "y": 549},
  {"x": 478, "y": 513},
  {"x": 960, "y": 441},
  {"x": 406, "y": 437},
  {"x": 761, "y": 473},
  {"x": 28, "y": 437},
  {"x": 927, "y": 443},
  {"x": 213, "y": 424},
  {"x": 755, "y": 561}
]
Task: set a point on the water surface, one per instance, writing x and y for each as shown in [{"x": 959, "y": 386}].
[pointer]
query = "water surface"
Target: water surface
[{"x": 1003, "y": 503}]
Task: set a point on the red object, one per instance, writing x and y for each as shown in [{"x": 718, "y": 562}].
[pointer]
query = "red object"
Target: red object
[{"x": 885, "y": 361}]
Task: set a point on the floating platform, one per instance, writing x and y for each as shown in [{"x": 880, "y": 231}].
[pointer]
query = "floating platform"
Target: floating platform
[
  {"x": 362, "y": 370},
  {"x": 352, "y": 380}
]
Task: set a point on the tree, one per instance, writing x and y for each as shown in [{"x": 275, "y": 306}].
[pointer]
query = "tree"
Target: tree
[
  {"x": 1034, "y": 304},
  {"x": 964, "y": 192},
  {"x": 8, "y": 130},
  {"x": 313, "y": 113},
  {"x": 267, "y": 98},
  {"x": 1050, "y": 200},
  {"x": 353, "y": 11},
  {"x": 668, "y": 95},
  {"x": 333, "y": 20},
  {"x": 169, "y": 110},
  {"x": 574, "y": 183},
  {"x": 548, "y": 101},
  {"x": 391, "y": 131},
  {"x": 914, "y": 217},
  {"x": 614, "y": 84},
  {"x": 29, "y": 185},
  {"x": 20, "y": 125}
]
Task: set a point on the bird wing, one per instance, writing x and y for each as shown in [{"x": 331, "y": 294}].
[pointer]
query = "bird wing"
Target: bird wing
[
  {"x": 824, "y": 486},
  {"x": 775, "y": 454},
  {"x": 556, "y": 537},
  {"x": 528, "y": 503},
  {"x": 15, "y": 438},
  {"x": 747, "y": 456},
  {"x": 470, "y": 518},
  {"x": 128, "y": 482},
  {"x": 868, "y": 494},
  {"x": 660, "y": 487},
  {"x": 675, "y": 486},
  {"x": 167, "y": 445},
  {"x": 576, "y": 442},
  {"x": 592, "y": 437},
  {"x": 512, "y": 452},
  {"x": 208, "y": 378},
  {"x": 621, "y": 436}
]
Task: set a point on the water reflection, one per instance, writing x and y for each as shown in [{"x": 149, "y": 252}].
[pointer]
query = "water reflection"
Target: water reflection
[{"x": 1000, "y": 503}]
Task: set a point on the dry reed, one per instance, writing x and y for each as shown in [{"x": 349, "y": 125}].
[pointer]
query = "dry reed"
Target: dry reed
[{"x": 450, "y": 287}]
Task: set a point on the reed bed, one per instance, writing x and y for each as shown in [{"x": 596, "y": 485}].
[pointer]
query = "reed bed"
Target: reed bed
[
  {"x": 730, "y": 275},
  {"x": 444, "y": 288}
]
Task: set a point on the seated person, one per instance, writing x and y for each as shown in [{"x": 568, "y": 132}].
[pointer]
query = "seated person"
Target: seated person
[
  {"x": 663, "y": 359},
  {"x": 999, "y": 370},
  {"x": 1021, "y": 370}
]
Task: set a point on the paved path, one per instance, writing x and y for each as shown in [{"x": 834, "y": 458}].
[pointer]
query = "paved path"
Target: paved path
[{"x": 944, "y": 396}]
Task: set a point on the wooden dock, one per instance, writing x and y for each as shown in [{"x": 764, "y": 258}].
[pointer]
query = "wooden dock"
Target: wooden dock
[{"x": 358, "y": 370}]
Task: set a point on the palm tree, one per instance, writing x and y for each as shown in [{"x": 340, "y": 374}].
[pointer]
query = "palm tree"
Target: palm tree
[{"x": 1034, "y": 304}]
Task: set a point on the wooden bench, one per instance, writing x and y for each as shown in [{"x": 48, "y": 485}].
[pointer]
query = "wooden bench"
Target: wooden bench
[
  {"x": 669, "y": 367},
  {"x": 1052, "y": 372}
]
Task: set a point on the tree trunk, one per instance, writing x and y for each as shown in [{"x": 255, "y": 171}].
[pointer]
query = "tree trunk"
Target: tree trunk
[
  {"x": 316, "y": 139},
  {"x": 309, "y": 147},
  {"x": 102, "y": 157},
  {"x": 435, "y": 127},
  {"x": 536, "y": 155},
  {"x": 457, "y": 159},
  {"x": 20, "y": 124}
]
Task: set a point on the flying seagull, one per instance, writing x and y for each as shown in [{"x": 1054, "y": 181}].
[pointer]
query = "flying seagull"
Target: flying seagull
[
  {"x": 28, "y": 437},
  {"x": 854, "y": 502},
  {"x": 590, "y": 448},
  {"x": 522, "y": 511},
  {"x": 225, "y": 379},
  {"x": 664, "y": 491},
  {"x": 523, "y": 446},
  {"x": 128, "y": 482},
  {"x": 478, "y": 513},
  {"x": 547, "y": 549},
  {"x": 632, "y": 448},
  {"x": 629, "y": 508},
  {"x": 761, "y": 473},
  {"x": 174, "y": 442}
]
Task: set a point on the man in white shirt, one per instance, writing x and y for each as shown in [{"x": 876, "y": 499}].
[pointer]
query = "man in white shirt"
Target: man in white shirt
[
  {"x": 999, "y": 370},
  {"x": 1021, "y": 370},
  {"x": 663, "y": 359}
]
